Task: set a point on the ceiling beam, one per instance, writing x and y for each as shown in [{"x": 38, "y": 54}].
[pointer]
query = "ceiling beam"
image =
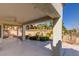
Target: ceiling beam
[{"x": 38, "y": 20}]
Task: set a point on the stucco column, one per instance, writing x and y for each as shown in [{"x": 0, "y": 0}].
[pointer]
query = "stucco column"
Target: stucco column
[
  {"x": 57, "y": 31},
  {"x": 57, "y": 36},
  {"x": 1, "y": 38},
  {"x": 2, "y": 31},
  {"x": 23, "y": 32}
]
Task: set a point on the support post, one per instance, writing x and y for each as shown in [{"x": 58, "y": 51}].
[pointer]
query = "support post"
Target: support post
[
  {"x": 23, "y": 32},
  {"x": 57, "y": 36},
  {"x": 1, "y": 34},
  {"x": 17, "y": 31}
]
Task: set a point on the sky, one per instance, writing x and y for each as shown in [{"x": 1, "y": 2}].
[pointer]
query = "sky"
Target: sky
[{"x": 71, "y": 15}]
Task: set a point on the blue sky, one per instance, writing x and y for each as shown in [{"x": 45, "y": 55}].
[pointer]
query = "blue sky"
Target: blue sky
[{"x": 71, "y": 15}]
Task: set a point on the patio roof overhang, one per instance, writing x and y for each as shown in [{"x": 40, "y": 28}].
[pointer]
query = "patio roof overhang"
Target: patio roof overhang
[{"x": 22, "y": 13}]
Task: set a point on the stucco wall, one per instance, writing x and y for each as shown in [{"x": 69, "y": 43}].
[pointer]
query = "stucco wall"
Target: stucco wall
[{"x": 57, "y": 30}]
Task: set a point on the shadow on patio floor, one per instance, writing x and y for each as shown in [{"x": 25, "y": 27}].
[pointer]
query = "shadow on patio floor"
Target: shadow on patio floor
[{"x": 70, "y": 52}]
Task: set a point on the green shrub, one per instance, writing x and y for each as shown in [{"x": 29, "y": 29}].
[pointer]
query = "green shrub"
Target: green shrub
[
  {"x": 44, "y": 38},
  {"x": 48, "y": 34}
]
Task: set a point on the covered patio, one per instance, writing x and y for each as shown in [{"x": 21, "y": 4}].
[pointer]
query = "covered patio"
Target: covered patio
[
  {"x": 22, "y": 14},
  {"x": 25, "y": 48}
]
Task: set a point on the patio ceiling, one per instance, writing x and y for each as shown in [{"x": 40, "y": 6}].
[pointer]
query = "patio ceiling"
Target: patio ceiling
[{"x": 19, "y": 13}]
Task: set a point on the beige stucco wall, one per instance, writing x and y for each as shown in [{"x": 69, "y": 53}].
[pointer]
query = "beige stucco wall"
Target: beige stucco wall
[{"x": 57, "y": 30}]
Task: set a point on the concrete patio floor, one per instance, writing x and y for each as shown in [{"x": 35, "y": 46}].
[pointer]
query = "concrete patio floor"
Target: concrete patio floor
[
  {"x": 70, "y": 50},
  {"x": 26, "y": 48}
]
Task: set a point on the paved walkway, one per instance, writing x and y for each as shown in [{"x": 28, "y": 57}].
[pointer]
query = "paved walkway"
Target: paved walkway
[
  {"x": 70, "y": 50},
  {"x": 25, "y": 48}
]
